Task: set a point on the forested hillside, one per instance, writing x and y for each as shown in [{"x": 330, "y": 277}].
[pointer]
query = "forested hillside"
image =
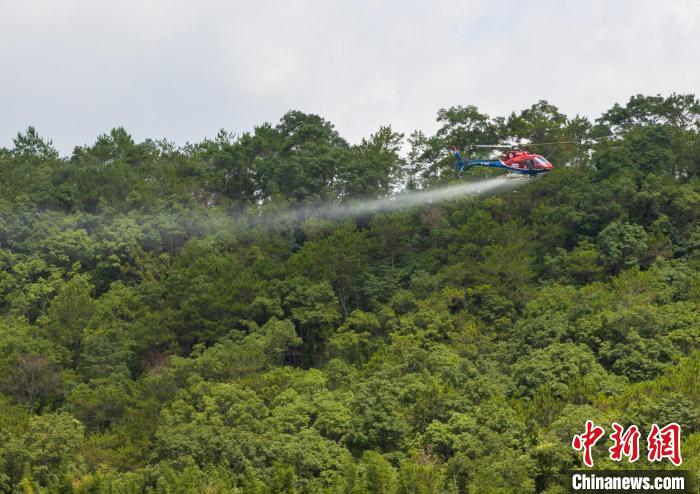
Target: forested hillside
[{"x": 159, "y": 333}]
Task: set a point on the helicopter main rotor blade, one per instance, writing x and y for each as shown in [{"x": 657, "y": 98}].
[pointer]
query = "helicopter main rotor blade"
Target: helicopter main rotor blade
[
  {"x": 491, "y": 146},
  {"x": 514, "y": 146},
  {"x": 551, "y": 142}
]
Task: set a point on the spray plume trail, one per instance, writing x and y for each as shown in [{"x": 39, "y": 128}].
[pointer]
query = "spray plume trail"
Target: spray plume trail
[
  {"x": 400, "y": 201},
  {"x": 203, "y": 222}
]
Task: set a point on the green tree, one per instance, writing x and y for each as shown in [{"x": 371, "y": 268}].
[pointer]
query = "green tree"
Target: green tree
[
  {"x": 69, "y": 312},
  {"x": 622, "y": 245}
]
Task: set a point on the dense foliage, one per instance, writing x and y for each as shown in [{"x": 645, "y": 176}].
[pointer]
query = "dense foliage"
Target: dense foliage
[{"x": 159, "y": 335}]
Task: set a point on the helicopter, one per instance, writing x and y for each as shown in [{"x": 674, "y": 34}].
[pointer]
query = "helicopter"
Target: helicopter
[{"x": 515, "y": 159}]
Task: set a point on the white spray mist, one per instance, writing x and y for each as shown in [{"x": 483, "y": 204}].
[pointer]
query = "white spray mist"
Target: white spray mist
[{"x": 399, "y": 201}]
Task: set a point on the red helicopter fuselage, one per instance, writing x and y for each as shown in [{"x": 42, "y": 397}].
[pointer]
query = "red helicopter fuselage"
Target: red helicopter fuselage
[{"x": 523, "y": 160}]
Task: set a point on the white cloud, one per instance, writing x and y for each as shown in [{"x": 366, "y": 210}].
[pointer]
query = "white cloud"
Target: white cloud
[{"x": 182, "y": 70}]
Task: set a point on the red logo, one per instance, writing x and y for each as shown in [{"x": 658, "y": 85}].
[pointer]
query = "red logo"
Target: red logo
[
  {"x": 662, "y": 443},
  {"x": 626, "y": 443},
  {"x": 665, "y": 443},
  {"x": 587, "y": 440}
]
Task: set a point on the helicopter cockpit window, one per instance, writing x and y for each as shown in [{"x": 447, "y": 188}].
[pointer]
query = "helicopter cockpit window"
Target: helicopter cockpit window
[{"x": 541, "y": 160}]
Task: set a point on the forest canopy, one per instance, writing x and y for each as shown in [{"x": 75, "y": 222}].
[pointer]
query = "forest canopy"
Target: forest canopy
[{"x": 156, "y": 337}]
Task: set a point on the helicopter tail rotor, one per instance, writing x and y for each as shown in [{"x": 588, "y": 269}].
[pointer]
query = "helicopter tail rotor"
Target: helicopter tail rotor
[{"x": 460, "y": 161}]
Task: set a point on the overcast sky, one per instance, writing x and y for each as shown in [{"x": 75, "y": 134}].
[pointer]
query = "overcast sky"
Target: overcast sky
[{"x": 181, "y": 70}]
